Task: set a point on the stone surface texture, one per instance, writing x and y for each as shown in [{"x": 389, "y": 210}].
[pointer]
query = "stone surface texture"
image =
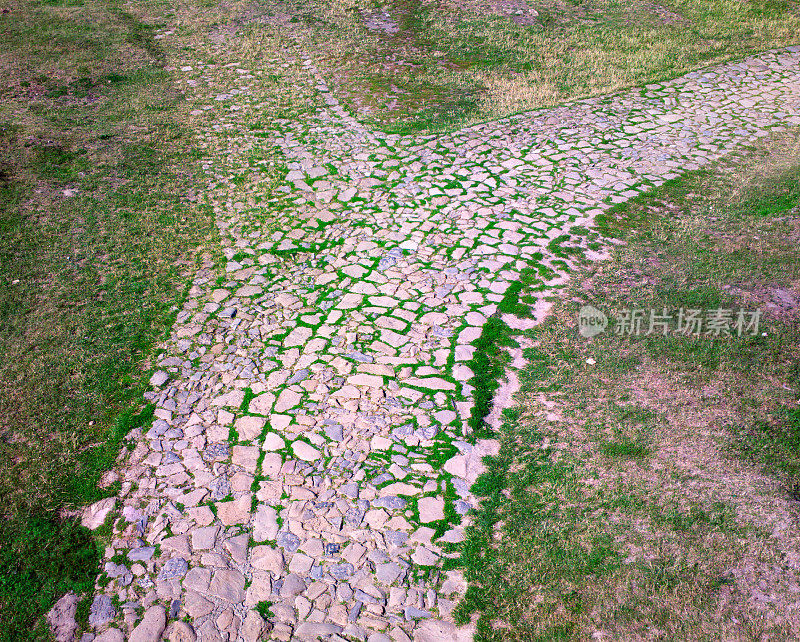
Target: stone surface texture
[{"x": 316, "y": 380}]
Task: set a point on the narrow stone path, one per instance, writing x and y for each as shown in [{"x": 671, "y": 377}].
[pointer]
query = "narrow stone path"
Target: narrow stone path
[{"x": 312, "y": 447}]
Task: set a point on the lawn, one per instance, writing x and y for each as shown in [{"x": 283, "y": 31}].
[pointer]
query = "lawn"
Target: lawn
[{"x": 99, "y": 236}]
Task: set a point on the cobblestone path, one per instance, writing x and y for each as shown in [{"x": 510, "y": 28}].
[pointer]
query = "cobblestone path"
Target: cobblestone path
[{"x": 312, "y": 446}]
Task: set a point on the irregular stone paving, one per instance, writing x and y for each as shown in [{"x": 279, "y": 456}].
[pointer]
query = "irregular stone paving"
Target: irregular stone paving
[{"x": 311, "y": 447}]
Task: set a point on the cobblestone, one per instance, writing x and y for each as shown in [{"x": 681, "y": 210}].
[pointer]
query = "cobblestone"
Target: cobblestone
[{"x": 310, "y": 384}]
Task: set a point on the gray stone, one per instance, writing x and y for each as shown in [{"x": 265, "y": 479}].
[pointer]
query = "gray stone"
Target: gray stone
[
  {"x": 252, "y": 627},
  {"x": 289, "y": 541},
  {"x": 196, "y": 605},
  {"x": 228, "y": 585},
  {"x": 354, "y": 516},
  {"x": 181, "y": 632},
  {"x": 94, "y": 515},
  {"x": 424, "y": 557},
  {"x": 114, "y": 570},
  {"x": 391, "y": 502},
  {"x": 158, "y": 429},
  {"x": 354, "y": 632},
  {"x": 364, "y": 597},
  {"x": 265, "y": 524},
  {"x": 396, "y": 538},
  {"x": 387, "y": 573},
  {"x": 361, "y": 357},
  {"x": 237, "y": 547},
  {"x": 141, "y": 554},
  {"x": 300, "y": 375},
  {"x": 431, "y": 509},
  {"x": 197, "y": 578},
  {"x": 350, "y": 490},
  {"x": 377, "y": 556},
  {"x": 341, "y": 571},
  {"x": 292, "y": 585},
  {"x": 413, "y": 613},
  {"x": 439, "y": 631},
  {"x": 266, "y": 558},
  {"x": 159, "y": 378},
  {"x": 101, "y": 611},
  {"x": 305, "y": 451},
  {"x": 173, "y": 569},
  {"x": 334, "y": 432},
  {"x": 355, "y": 610},
  {"x": 344, "y": 592},
  {"x": 203, "y": 539},
  {"x": 111, "y": 635}
]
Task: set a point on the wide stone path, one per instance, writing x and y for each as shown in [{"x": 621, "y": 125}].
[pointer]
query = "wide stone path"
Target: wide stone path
[{"x": 311, "y": 451}]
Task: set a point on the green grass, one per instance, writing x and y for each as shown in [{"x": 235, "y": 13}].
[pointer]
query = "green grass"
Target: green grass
[
  {"x": 453, "y": 63},
  {"x": 627, "y": 514},
  {"x": 782, "y": 198},
  {"x": 90, "y": 281},
  {"x": 93, "y": 280},
  {"x": 38, "y": 564},
  {"x": 631, "y": 450},
  {"x": 264, "y": 610},
  {"x": 774, "y": 445},
  {"x": 488, "y": 364}
]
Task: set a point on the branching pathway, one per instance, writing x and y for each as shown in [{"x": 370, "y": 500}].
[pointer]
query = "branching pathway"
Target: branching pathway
[{"x": 313, "y": 449}]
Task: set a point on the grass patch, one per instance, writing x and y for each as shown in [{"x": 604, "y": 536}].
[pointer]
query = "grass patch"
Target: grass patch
[
  {"x": 774, "y": 445},
  {"x": 626, "y": 449},
  {"x": 41, "y": 559},
  {"x": 264, "y": 610},
  {"x": 488, "y": 364}
]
